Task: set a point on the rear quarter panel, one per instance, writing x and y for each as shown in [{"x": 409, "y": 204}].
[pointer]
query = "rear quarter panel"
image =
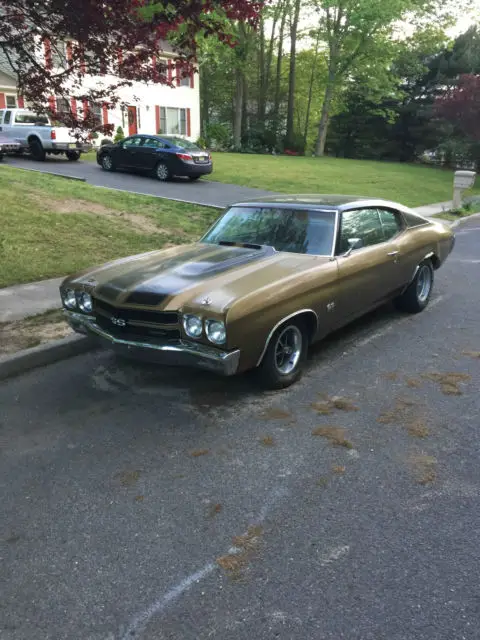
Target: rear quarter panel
[{"x": 416, "y": 243}]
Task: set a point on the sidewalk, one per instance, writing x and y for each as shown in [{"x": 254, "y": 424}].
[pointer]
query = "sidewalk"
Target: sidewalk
[{"x": 25, "y": 300}]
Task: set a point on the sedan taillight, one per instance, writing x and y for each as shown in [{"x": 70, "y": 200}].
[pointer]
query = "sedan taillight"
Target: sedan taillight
[
  {"x": 184, "y": 156},
  {"x": 53, "y": 134}
]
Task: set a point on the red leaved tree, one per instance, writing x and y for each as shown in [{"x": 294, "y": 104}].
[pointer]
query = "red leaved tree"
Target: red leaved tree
[
  {"x": 460, "y": 106},
  {"x": 54, "y": 47}
]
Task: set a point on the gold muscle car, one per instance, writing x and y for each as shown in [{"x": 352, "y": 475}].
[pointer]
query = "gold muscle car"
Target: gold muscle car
[{"x": 269, "y": 278}]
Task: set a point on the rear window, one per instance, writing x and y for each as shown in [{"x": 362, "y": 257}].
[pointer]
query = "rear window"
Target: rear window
[
  {"x": 412, "y": 220},
  {"x": 29, "y": 117},
  {"x": 181, "y": 142}
]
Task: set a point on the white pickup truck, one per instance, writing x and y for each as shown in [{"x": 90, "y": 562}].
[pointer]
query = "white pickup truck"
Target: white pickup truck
[{"x": 38, "y": 135}]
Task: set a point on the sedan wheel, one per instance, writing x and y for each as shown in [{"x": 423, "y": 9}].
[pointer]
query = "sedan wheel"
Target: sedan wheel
[
  {"x": 162, "y": 172},
  {"x": 283, "y": 361},
  {"x": 415, "y": 298},
  {"x": 107, "y": 162}
]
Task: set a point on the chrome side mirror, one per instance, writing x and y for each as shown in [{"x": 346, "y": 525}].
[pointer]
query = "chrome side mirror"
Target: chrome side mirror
[{"x": 353, "y": 243}]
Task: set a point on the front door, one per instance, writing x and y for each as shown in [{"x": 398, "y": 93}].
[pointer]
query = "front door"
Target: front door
[
  {"x": 132, "y": 121},
  {"x": 371, "y": 273}
]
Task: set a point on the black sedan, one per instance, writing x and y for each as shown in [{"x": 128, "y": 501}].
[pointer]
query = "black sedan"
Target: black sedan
[{"x": 163, "y": 156}]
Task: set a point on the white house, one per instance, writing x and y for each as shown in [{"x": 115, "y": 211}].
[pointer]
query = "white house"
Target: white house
[{"x": 150, "y": 107}]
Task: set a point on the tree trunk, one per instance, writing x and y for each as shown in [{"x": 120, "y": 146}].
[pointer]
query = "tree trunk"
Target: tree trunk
[
  {"x": 310, "y": 91},
  {"x": 238, "y": 115},
  {"x": 289, "y": 137},
  {"x": 276, "y": 104},
  {"x": 244, "y": 106},
  {"x": 261, "y": 76},
  {"x": 205, "y": 103},
  {"x": 266, "y": 68},
  {"x": 324, "y": 120}
]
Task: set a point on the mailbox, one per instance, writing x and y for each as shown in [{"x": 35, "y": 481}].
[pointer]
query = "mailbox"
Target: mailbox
[{"x": 462, "y": 180}]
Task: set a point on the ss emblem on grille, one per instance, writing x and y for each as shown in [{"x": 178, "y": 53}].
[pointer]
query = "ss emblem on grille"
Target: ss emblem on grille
[{"x": 119, "y": 322}]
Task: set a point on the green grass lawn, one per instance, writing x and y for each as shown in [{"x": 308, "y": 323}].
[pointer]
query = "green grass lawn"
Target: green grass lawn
[
  {"x": 412, "y": 185},
  {"x": 52, "y": 226}
]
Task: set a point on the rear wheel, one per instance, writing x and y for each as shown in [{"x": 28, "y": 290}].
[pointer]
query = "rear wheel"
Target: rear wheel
[
  {"x": 73, "y": 156},
  {"x": 106, "y": 162},
  {"x": 285, "y": 356},
  {"x": 37, "y": 151},
  {"x": 162, "y": 172},
  {"x": 417, "y": 295}
]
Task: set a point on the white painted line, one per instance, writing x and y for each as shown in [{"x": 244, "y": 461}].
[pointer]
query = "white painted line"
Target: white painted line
[
  {"x": 152, "y": 195},
  {"x": 334, "y": 554},
  {"x": 139, "y": 623}
]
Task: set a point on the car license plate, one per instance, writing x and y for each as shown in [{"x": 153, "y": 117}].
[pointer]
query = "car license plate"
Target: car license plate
[
  {"x": 72, "y": 145},
  {"x": 202, "y": 159}
]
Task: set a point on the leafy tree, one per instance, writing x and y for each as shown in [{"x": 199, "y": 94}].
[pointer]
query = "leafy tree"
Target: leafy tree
[{"x": 123, "y": 37}]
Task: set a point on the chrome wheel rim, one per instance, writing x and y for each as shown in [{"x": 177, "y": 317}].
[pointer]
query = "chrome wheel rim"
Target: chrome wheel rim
[
  {"x": 107, "y": 162},
  {"x": 424, "y": 283},
  {"x": 288, "y": 349},
  {"x": 162, "y": 172}
]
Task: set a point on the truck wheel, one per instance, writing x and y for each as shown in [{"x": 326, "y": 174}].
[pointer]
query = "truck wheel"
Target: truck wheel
[
  {"x": 37, "y": 151},
  {"x": 73, "y": 156}
]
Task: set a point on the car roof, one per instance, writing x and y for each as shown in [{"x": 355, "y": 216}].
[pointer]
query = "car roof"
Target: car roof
[{"x": 325, "y": 202}]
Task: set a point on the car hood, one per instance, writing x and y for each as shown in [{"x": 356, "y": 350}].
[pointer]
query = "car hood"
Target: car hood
[{"x": 192, "y": 275}]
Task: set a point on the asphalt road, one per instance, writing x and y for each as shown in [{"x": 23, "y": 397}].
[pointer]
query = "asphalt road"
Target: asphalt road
[
  {"x": 114, "y": 526},
  {"x": 204, "y": 191}
]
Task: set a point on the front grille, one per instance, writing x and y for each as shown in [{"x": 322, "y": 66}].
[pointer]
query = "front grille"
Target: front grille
[
  {"x": 135, "y": 332},
  {"x": 107, "y": 310}
]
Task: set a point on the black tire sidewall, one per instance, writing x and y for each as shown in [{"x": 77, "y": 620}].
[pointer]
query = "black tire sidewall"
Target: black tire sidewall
[
  {"x": 268, "y": 373},
  {"x": 409, "y": 300},
  {"x": 37, "y": 150},
  {"x": 73, "y": 156}
]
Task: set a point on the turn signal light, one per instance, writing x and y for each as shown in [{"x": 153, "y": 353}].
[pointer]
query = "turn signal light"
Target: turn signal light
[{"x": 53, "y": 134}]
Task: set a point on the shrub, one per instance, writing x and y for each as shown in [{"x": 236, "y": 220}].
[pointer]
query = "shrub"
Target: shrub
[{"x": 119, "y": 135}]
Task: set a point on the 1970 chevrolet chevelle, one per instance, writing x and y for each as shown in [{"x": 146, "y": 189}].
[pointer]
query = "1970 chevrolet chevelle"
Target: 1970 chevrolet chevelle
[{"x": 269, "y": 278}]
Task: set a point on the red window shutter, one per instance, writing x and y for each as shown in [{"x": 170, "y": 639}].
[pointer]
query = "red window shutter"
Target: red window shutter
[
  {"x": 69, "y": 52},
  {"x": 48, "y": 53},
  {"x": 3, "y": 103},
  {"x": 73, "y": 107},
  {"x": 83, "y": 66},
  {"x": 52, "y": 104},
  {"x": 170, "y": 70},
  {"x": 178, "y": 71},
  {"x": 189, "y": 124},
  {"x": 157, "y": 119},
  {"x": 105, "y": 113},
  {"x": 21, "y": 102},
  {"x": 192, "y": 80},
  {"x": 85, "y": 109}
]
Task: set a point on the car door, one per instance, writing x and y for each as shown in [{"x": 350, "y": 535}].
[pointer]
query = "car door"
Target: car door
[
  {"x": 148, "y": 153},
  {"x": 369, "y": 274},
  {"x": 126, "y": 154}
]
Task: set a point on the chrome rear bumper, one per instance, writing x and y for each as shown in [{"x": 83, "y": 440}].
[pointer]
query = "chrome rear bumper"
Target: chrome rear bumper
[{"x": 172, "y": 353}]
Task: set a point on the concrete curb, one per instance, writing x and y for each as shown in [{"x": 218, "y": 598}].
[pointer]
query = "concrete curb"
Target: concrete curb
[
  {"x": 455, "y": 223},
  {"x": 44, "y": 354},
  {"x": 50, "y": 173}
]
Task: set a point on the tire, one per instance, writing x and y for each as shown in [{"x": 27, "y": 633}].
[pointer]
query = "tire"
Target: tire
[
  {"x": 194, "y": 178},
  {"x": 106, "y": 162},
  {"x": 1, "y": 157},
  {"x": 73, "y": 156},
  {"x": 162, "y": 172},
  {"x": 279, "y": 370},
  {"x": 37, "y": 151},
  {"x": 417, "y": 295}
]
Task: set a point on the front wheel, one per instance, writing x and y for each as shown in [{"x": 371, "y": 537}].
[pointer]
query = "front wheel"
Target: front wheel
[
  {"x": 417, "y": 295},
  {"x": 283, "y": 362},
  {"x": 73, "y": 156},
  {"x": 106, "y": 162},
  {"x": 162, "y": 172},
  {"x": 37, "y": 151}
]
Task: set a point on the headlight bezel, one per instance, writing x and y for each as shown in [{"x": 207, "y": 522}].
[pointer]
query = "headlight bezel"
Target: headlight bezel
[
  {"x": 185, "y": 323},
  {"x": 209, "y": 322}
]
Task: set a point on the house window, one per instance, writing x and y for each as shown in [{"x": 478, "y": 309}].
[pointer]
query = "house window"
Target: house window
[
  {"x": 96, "y": 111},
  {"x": 185, "y": 82},
  {"x": 59, "y": 54},
  {"x": 11, "y": 101},
  {"x": 63, "y": 106},
  {"x": 173, "y": 120}
]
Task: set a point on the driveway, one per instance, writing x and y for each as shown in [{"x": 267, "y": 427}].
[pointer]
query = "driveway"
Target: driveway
[
  {"x": 141, "y": 503},
  {"x": 204, "y": 192}
]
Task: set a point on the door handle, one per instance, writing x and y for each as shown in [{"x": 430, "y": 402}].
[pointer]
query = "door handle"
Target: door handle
[{"x": 392, "y": 253}]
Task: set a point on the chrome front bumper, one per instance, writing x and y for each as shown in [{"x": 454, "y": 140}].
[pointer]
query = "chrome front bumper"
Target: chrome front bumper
[{"x": 172, "y": 353}]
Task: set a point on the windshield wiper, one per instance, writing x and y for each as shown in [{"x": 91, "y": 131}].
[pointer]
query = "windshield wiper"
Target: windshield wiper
[{"x": 247, "y": 245}]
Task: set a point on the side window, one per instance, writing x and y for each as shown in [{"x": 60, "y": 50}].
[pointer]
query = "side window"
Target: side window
[
  {"x": 153, "y": 143},
  {"x": 8, "y": 115},
  {"x": 132, "y": 142},
  {"x": 363, "y": 224},
  {"x": 1, "y": 115},
  {"x": 391, "y": 223}
]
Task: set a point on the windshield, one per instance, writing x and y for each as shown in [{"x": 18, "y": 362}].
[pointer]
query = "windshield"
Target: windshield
[
  {"x": 295, "y": 231},
  {"x": 29, "y": 117},
  {"x": 185, "y": 144}
]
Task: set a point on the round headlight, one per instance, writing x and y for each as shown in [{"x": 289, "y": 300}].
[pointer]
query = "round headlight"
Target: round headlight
[
  {"x": 85, "y": 302},
  {"x": 216, "y": 331},
  {"x": 69, "y": 299},
  {"x": 193, "y": 326}
]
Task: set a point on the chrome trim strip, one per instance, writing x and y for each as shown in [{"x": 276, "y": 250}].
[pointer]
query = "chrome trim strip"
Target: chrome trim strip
[
  {"x": 203, "y": 356},
  {"x": 335, "y": 235},
  {"x": 292, "y": 315}
]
